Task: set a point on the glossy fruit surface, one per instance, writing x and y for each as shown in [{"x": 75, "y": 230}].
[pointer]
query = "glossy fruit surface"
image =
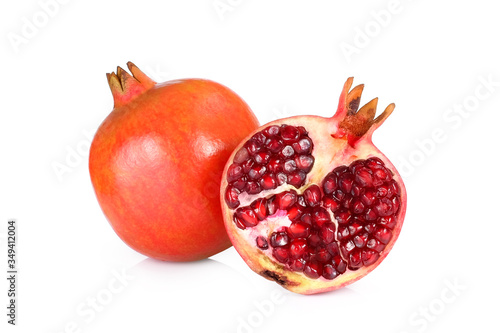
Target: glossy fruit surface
[
  {"x": 310, "y": 202},
  {"x": 156, "y": 162}
]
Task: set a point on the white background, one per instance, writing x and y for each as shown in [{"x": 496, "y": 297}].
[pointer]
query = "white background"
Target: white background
[{"x": 284, "y": 58}]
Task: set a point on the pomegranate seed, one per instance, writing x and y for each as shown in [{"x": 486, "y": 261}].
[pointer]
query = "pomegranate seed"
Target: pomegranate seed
[
  {"x": 271, "y": 206},
  {"x": 360, "y": 240},
  {"x": 330, "y": 203},
  {"x": 342, "y": 216},
  {"x": 297, "y": 248},
  {"x": 375, "y": 245},
  {"x": 272, "y": 130},
  {"x": 354, "y": 228},
  {"x": 393, "y": 189},
  {"x": 241, "y": 155},
  {"x": 286, "y": 199},
  {"x": 347, "y": 247},
  {"x": 369, "y": 257},
  {"x": 302, "y": 130},
  {"x": 238, "y": 223},
  {"x": 313, "y": 270},
  {"x": 281, "y": 178},
  {"x": 234, "y": 172},
  {"x": 261, "y": 157},
  {"x": 374, "y": 162},
  {"x": 289, "y": 166},
  {"x": 364, "y": 177},
  {"x": 395, "y": 204},
  {"x": 307, "y": 219},
  {"x": 298, "y": 230},
  {"x": 312, "y": 196},
  {"x": 358, "y": 207},
  {"x": 320, "y": 216},
  {"x": 304, "y": 162},
  {"x": 289, "y": 133},
  {"x": 388, "y": 221},
  {"x": 345, "y": 182},
  {"x": 274, "y": 165},
  {"x": 296, "y": 178},
  {"x": 340, "y": 170},
  {"x": 368, "y": 198},
  {"x": 256, "y": 172},
  {"x": 301, "y": 201},
  {"x": 327, "y": 233},
  {"x": 354, "y": 166},
  {"x": 287, "y": 151},
  {"x": 247, "y": 216},
  {"x": 322, "y": 255},
  {"x": 384, "y": 235},
  {"x": 294, "y": 212},
  {"x": 259, "y": 137},
  {"x": 382, "y": 174},
  {"x": 333, "y": 249},
  {"x": 330, "y": 183},
  {"x": 231, "y": 197},
  {"x": 371, "y": 227},
  {"x": 262, "y": 243},
  {"x": 338, "y": 195},
  {"x": 281, "y": 254},
  {"x": 383, "y": 207},
  {"x": 274, "y": 145},
  {"x": 268, "y": 182},
  {"x": 241, "y": 183},
  {"x": 343, "y": 233},
  {"x": 382, "y": 191},
  {"x": 347, "y": 201},
  {"x": 303, "y": 146},
  {"x": 252, "y": 147},
  {"x": 355, "y": 260},
  {"x": 329, "y": 272},
  {"x": 247, "y": 165},
  {"x": 370, "y": 215},
  {"x": 298, "y": 265},
  {"x": 252, "y": 188},
  {"x": 357, "y": 190},
  {"x": 259, "y": 208},
  {"x": 279, "y": 239},
  {"x": 314, "y": 240},
  {"x": 340, "y": 264}
]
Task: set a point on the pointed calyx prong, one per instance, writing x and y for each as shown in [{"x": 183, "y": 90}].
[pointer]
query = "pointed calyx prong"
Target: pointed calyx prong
[
  {"x": 126, "y": 87},
  {"x": 353, "y": 99},
  {"x": 354, "y": 123}
]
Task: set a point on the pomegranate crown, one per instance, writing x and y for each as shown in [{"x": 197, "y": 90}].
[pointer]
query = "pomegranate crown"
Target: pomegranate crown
[
  {"x": 353, "y": 123},
  {"x": 126, "y": 87}
]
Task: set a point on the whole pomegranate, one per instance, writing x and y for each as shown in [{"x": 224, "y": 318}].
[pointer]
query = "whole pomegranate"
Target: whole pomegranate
[
  {"x": 156, "y": 162},
  {"x": 310, "y": 202}
]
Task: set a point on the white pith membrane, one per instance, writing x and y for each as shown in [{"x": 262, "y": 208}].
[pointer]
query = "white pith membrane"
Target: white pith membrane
[{"x": 330, "y": 150}]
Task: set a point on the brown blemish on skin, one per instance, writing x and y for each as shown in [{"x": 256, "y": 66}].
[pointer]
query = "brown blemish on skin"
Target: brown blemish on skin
[{"x": 279, "y": 279}]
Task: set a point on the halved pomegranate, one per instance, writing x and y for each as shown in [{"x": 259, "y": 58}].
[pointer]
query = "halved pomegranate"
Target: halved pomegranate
[{"x": 310, "y": 202}]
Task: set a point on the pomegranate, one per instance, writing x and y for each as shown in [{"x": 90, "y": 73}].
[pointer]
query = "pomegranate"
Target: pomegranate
[
  {"x": 310, "y": 202},
  {"x": 156, "y": 162}
]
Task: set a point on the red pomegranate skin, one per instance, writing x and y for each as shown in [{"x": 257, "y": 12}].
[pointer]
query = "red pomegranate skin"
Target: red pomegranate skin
[{"x": 156, "y": 163}]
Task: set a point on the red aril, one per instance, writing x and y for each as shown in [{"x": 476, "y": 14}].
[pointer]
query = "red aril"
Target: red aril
[
  {"x": 310, "y": 202},
  {"x": 156, "y": 163}
]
